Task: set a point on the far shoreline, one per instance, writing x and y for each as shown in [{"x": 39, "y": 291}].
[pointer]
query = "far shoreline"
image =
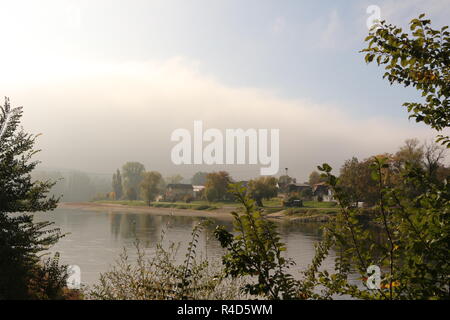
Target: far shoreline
[{"x": 220, "y": 213}]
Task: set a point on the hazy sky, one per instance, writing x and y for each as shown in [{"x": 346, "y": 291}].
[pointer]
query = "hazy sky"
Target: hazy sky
[{"x": 108, "y": 81}]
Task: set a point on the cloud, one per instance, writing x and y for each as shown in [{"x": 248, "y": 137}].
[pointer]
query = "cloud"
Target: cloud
[
  {"x": 278, "y": 25},
  {"x": 401, "y": 12},
  {"x": 96, "y": 116},
  {"x": 329, "y": 31}
]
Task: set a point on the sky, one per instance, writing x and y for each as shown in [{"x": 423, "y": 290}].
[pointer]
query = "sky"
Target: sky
[{"x": 106, "y": 82}]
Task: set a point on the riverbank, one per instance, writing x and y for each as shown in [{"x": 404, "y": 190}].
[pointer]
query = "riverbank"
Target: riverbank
[
  {"x": 302, "y": 217},
  {"x": 222, "y": 213}
]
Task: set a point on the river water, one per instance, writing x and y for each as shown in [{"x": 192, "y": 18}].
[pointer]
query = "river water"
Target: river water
[{"x": 94, "y": 239}]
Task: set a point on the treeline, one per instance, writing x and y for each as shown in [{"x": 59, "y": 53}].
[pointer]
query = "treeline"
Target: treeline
[
  {"x": 75, "y": 186},
  {"x": 356, "y": 178},
  {"x": 133, "y": 182}
]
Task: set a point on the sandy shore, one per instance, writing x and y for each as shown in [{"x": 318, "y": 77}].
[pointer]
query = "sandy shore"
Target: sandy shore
[{"x": 222, "y": 213}]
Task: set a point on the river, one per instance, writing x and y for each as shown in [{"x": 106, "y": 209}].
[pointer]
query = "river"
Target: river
[{"x": 94, "y": 239}]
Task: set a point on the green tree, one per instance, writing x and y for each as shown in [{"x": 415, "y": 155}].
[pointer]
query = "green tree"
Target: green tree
[
  {"x": 216, "y": 187},
  {"x": 131, "y": 194},
  {"x": 117, "y": 185},
  {"x": 421, "y": 60},
  {"x": 132, "y": 177},
  {"x": 21, "y": 240},
  {"x": 79, "y": 187},
  {"x": 151, "y": 185},
  {"x": 60, "y": 186},
  {"x": 306, "y": 194},
  {"x": 433, "y": 156},
  {"x": 283, "y": 181},
  {"x": 315, "y": 178},
  {"x": 414, "y": 245},
  {"x": 413, "y": 254},
  {"x": 199, "y": 178},
  {"x": 356, "y": 179},
  {"x": 255, "y": 249},
  {"x": 262, "y": 188},
  {"x": 411, "y": 152},
  {"x": 175, "y": 179}
]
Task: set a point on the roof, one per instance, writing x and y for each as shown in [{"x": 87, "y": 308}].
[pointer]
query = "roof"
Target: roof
[
  {"x": 321, "y": 186},
  {"x": 179, "y": 186},
  {"x": 299, "y": 184}
]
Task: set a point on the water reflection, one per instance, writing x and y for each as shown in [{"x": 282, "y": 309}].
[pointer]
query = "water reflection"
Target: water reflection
[{"x": 95, "y": 239}]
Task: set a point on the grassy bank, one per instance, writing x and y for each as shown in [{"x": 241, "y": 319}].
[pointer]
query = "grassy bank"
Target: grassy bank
[
  {"x": 195, "y": 205},
  {"x": 270, "y": 206}
]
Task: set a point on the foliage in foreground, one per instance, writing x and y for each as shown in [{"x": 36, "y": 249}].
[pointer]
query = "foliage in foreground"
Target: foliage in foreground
[
  {"x": 420, "y": 60},
  {"x": 159, "y": 277},
  {"x": 22, "y": 274},
  {"x": 411, "y": 246},
  {"x": 256, "y": 250}
]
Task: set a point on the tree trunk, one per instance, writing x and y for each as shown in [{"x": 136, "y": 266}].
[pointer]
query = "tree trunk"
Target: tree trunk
[{"x": 259, "y": 203}]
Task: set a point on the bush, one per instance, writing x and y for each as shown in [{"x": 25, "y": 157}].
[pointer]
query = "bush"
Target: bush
[
  {"x": 202, "y": 207},
  {"x": 413, "y": 254},
  {"x": 131, "y": 194},
  {"x": 188, "y": 198},
  {"x": 160, "y": 278},
  {"x": 49, "y": 280},
  {"x": 255, "y": 250}
]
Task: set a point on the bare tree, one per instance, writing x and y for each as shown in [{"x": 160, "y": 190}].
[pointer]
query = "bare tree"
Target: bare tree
[{"x": 433, "y": 156}]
